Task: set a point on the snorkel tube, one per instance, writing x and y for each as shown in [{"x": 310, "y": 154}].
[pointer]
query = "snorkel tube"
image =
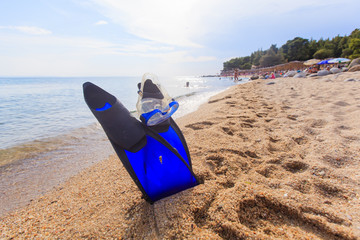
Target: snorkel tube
[{"x": 154, "y": 105}]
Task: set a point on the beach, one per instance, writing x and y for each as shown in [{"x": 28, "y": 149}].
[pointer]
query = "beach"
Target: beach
[{"x": 278, "y": 159}]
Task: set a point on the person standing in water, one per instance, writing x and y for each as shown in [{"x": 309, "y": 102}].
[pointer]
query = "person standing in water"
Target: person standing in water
[{"x": 236, "y": 74}]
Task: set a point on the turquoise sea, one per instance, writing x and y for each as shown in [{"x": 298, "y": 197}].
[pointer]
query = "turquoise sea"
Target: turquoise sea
[{"x": 48, "y": 134}]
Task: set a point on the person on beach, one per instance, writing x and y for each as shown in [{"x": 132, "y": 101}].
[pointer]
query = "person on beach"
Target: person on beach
[
  {"x": 272, "y": 75},
  {"x": 236, "y": 74}
]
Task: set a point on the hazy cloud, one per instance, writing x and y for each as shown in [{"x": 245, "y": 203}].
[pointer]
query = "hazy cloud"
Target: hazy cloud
[
  {"x": 186, "y": 23},
  {"x": 28, "y": 29},
  {"x": 101, "y": 22}
]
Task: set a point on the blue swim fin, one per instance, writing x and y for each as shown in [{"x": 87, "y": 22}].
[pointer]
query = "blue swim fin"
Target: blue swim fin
[{"x": 157, "y": 158}]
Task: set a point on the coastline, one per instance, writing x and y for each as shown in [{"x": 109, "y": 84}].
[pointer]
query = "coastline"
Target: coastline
[
  {"x": 278, "y": 161},
  {"x": 30, "y": 170}
]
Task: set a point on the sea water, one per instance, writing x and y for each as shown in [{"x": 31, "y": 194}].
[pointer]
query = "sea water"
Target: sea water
[
  {"x": 48, "y": 134},
  {"x": 37, "y": 108}
]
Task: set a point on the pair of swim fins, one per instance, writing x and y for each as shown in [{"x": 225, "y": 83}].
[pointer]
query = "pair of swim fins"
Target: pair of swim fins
[{"x": 156, "y": 157}]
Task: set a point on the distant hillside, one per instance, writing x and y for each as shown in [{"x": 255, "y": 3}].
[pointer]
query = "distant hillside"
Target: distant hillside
[{"x": 300, "y": 49}]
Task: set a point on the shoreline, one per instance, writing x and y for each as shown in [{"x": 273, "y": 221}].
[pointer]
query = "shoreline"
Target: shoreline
[
  {"x": 277, "y": 160},
  {"x": 65, "y": 108}
]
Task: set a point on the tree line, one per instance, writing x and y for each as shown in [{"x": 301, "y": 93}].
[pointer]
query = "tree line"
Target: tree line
[{"x": 300, "y": 49}]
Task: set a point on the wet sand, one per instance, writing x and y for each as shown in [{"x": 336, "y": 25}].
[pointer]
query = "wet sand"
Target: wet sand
[{"x": 277, "y": 161}]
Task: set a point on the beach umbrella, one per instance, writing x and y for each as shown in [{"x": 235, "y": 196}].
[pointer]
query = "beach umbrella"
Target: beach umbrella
[
  {"x": 339, "y": 60},
  {"x": 311, "y": 62},
  {"x": 323, "y": 62}
]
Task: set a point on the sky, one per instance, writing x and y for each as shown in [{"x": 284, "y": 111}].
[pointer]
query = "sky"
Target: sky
[{"x": 166, "y": 37}]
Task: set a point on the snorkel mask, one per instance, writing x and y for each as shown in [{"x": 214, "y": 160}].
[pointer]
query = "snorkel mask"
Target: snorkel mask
[{"x": 154, "y": 105}]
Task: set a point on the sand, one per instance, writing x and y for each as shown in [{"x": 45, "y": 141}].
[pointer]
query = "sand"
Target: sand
[{"x": 279, "y": 159}]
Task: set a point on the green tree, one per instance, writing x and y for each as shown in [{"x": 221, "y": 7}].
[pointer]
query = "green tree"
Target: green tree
[
  {"x": 255, "y": 57},
  {"x": 323, "y": 53},
  {"x": 296, "y": 49},
  {"x": 349, "y": 45},
  {"x": 246, "y": 63},
  {"x": 274, "y": 48},
  {"x": 346, "y": 53},
  {"x": 321, "y": 43},
  {"x": 355, "y": 47},
  {"x": 337, "y": 46},
  {"x": 271, "y": 58},
  {"x": 313, "y": 47},
  {"x": 344, "y": 45},
  {"x": 355, "y": 33},
  {"x": 246, "y": 66}
]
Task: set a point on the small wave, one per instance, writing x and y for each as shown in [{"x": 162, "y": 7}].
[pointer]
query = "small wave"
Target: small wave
[
  {"x": 38, "y": 166},
  {"x": 36, "y": 148},
  {"x": 185, "y": 95},
  {"x": 26, "y": 151}
]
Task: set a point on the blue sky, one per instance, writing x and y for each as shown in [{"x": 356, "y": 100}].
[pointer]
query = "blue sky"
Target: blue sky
[{"x": 170, "y": 38}]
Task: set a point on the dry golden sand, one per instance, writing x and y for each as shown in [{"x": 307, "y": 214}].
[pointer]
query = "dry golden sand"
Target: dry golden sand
[{"x": 278, "y": 161}]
